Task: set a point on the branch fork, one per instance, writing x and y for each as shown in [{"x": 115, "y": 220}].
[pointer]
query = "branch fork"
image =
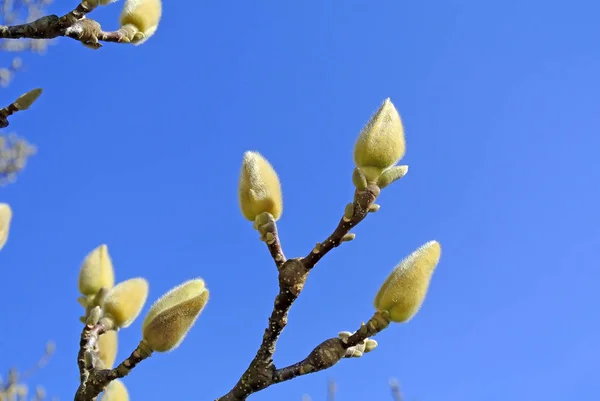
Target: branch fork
[{"x": 293, "y": 273}]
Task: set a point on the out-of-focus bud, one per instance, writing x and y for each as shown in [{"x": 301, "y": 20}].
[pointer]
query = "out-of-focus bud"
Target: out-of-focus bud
[
  {"x": 125, "y": 301},
  {"x": 405, "y": 289},
  {"x": 105, "y": 2},
  {"x": 96, "y": 271},
  {"x": 5, "y": 219},
  {"x": 381, "y": 143},
  {"x": 115, "y": 391},
  {"x": 26, "y": 100},
  {"x": 141, "y": 18},
  {"x": 171, "y": 317},
  {"x": 259, "y": 188},
  {"x": 108, "y": 345}
]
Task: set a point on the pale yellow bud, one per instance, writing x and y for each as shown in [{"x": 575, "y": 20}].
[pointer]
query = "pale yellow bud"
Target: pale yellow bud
[
  {"x": 108, "y": 344},
  {"x": 370, "y": 345},
  {"x": 171, "y": 317},
  {"x": 5, "y": 219},
  {"x": 115, "y": 391},
  {"x": 390, "y": 175},
  {"x": 405, "y": 289},
  {"x": 125, "y": 301},
  {"x": 142, "y": 17},
  {"x": 381, "y": 143},
  {"x": 259, "y": 188},
  {"x": 96, "y": 271},
  {"x": 26, "y": 100}
]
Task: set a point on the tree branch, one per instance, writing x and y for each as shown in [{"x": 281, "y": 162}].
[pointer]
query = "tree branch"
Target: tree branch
[
  {"x": 293, "y": 273},
  {"x": 93, "y": 381},
  {"x": 267, "y": 227},
  {"x": 355, "y": 212},
  {"x": 74, "y": 25},
  {"x": 97, "y": 380}
]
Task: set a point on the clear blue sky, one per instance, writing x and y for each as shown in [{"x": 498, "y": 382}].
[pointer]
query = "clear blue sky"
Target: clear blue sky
[{"x": 140, "y": 148}]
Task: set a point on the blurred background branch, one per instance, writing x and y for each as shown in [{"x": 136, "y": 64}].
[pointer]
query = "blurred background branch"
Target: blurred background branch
[
  {"x": 13, "y": 388},
  {"x": 15, "y": 150},
  {"x": 332, "y": 391},
  {"x": 18, "y": 12}
]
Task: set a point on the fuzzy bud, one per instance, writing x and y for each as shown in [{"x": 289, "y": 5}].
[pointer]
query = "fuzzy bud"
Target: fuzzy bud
[
  {"x": 358, "y": 179},
  {"x": 348, "y": 237},
  {"x": 26, "y": 100},
  {"x": 105, "y": 2},
  {"x": 115, "y": 391},
  {"x": 141, "y": 18},
  {"x": 370, "y": 345},
  {"x": 107, "y": 344},
  {"x": 373, "y": 208},
  {"x": 94, "y": 316},
  {"x": 390, "y": 175},
  {"x": 344, "y": 334},
  {"x": 170, "y": 318},
  {"x": 96, "y": 272},
  {"x": 259, "y": 188},
  {"x": 125, "y": 301},
  {"x": 355, "y": 351},
  {"x": 405, "y": 289},
  {"x": 381, "y": 143},
  {"x": 5, "y": 219}
]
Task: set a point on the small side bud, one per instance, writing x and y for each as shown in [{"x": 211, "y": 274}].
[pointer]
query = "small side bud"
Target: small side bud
[
  {"x": 125, "y": 301},
  {"x": 259, "y": 188},
  {"x": 96, "y": 271},
  {"x": 370, "y": 345},
  {"x": 105, "y": 2},
  {"x": 381, "y": 143},
  {"x": 141, "y": 18},
  {"x": 348, "y": 212},
  {"x": 358, "y": 179},
  {"x": 108, "y": 348},
  {"x": 390, "y": 175},
  {"x": 5, "y": 220},
  {"x": 344, "y": 334},
  {"x": 355, "y": 351},
  {"x": 373, "y": 207},
  {"x": 115, "y": 391},
  {"x": 172, "y": 316},
  {"x": 348, "y": 237},
  {"x": 27, "y": 99},
  {"x": 94, "y": 316},
  {"x": 403, "y": 292}
]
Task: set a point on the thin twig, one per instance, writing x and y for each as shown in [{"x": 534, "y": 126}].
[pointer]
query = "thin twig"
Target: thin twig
[
  {"x": 262, "y": 372},
  {"x": 74, "y": 25},
  {"x": 395, "y": 388}
]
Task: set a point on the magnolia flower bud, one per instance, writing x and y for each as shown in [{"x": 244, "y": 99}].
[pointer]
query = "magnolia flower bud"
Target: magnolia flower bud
[
  {"x": 5, "y": 219},
  {"x": 26, "y": 100},
  {"x": 115, "y": 391},
  {"x": 171, "y": 317},
  {"x": 96, "y": 272},
  {"x": 390, "y": 175},
  {"x": 380, "y": 144},
  {"x": 405, "y": 289},
  {"x": 259, "y": 188},
  {"x": 107, "y": 343},
  {"x": 125, "y": 301},
  {"x": 370, "y": 345},
  {"x": 105, "y": 2},
  {"x": 141, "y": 17}
]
